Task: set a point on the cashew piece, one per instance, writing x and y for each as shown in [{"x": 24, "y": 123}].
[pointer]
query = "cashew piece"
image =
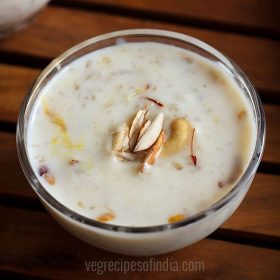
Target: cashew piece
[{"x": 178, "y": 138}]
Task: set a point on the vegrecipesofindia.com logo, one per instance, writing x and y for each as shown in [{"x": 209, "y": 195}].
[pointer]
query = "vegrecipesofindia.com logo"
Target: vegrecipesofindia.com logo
[{"x": 149, "y": 265}]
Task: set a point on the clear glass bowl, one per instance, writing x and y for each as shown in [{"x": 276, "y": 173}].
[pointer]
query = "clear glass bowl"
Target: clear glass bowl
[
  {"x": 153, "y": 239},
  {"x": 16, "y": 14}
]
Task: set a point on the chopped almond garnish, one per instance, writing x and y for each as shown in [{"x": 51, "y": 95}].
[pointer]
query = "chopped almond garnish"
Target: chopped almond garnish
[
  {"x": 154, "y": 152},
  {"x": 241, "y": 115},
  {"x": 151, "y": 134},
  {"x": 49, "y": 178},
  {"x": 134, "y": 141},
  {"x": 136, "y": 125},
  {"x": 176, "y": 218},
  {"x": 144, "y": 128},
  {"x": 139, "y": 90},
  {"x": 73, "y": 162},
  {"x": 143, "y": 140},
  {"x": 155, "y": 149},
  {"x": 106, "y": 217},
  {"x": 178, "y": 165}
]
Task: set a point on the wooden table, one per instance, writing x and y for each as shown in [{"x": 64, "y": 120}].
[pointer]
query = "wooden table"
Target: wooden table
[{"x": 247, "y": 246}]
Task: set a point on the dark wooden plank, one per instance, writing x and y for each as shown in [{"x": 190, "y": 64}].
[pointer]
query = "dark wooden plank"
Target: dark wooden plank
[
  {"x": 259, "y": 213},
  {"x": 56, "y": 29},
  {"x": 12, "y": 180},
  {"x": 272, "y": 150},
  {"x": 253, "y": 16},
  {"x": 35, "y": 245},
  {"x": 14, "y": 84}
]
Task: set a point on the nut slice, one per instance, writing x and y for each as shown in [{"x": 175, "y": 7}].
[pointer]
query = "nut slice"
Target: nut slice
[
  {"x": 154, "y": 151},
  {"x": 144, "y": 128},
  {"x": 135, "y": 127},
  {"x": 119, "y": 138},
  {"x": 137, "y": 121},
  {"x": 151, "y": 134}
]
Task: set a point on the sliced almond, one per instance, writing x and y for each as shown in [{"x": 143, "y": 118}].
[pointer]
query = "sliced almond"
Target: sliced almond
[
  {"x": 119, "y": 137},
  {"x": 139, "y": 90},
  {"x": 151, "y": 134},
  {"x": 135, "y": 128},
  {"x": 158, "y": 152},
  {"x": 177, "y": 165},
  {"x": 133, "y": 140},
  {"x": 144, "y": 128},
  {"x": 156, "y": 148},
  {"x": 154, "y": 151},
  {"x": 137, "y": 121}
]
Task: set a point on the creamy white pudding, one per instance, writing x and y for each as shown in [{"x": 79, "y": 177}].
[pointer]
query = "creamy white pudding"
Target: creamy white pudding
[
  {"x": 74, "y": 122},
  {"x": 14, "y": 13}
]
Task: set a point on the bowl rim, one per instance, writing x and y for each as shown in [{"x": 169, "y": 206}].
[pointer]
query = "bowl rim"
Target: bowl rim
[{"x": 65, "y": 211}]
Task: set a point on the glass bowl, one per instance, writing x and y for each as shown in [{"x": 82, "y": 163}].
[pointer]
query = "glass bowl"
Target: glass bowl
[
  {"x": 16, "y": 14},
  {"x": 149, "y": 240}
]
